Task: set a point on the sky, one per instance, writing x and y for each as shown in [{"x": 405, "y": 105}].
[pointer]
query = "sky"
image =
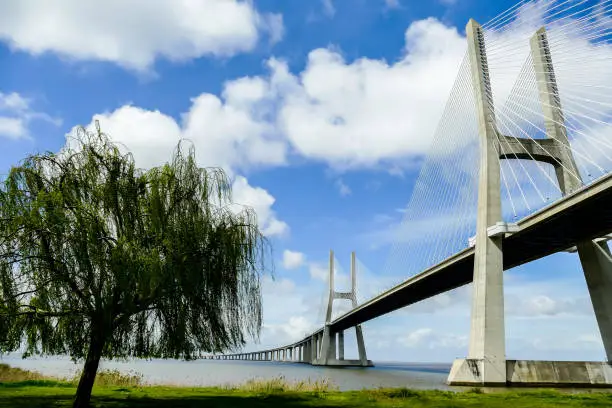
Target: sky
[{"x": 321, "y": 111}]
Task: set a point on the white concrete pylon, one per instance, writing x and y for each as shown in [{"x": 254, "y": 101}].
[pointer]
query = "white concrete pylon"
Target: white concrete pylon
[
  {"x": 594, "y": 256},
  {"x": 326, "y": 352},
  {"x": 486, "y": 362}
]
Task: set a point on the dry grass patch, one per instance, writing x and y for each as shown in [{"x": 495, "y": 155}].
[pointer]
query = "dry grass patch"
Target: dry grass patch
[
  {"x": 14, "y": 374},
  {"x": 281, "y": 385}
]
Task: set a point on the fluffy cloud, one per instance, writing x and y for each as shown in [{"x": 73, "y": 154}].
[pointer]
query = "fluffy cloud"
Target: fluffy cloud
[
  {"x": 16, "y": 113},
  {"x": 289, "y": 312},
  {"x": 231, "y": 136},
  {"x": 13, "y": 128},
  {"x": 223, "y": 134},
  {"x": 292, "y": 259},
  {"x": 319, "y": 271},
  {"x": 134, "y": 34},
  {"x": 361, "y": 113},
  {"x": 261, "y": 201},
  {"x": 347, "y": 114},
  {"x": 427, "y": 337}
]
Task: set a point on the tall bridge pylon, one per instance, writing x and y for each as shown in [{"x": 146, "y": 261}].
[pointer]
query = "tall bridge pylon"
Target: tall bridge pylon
[
  {"x": 486, "y": 362},
  {"x": 330, "y": 345}
]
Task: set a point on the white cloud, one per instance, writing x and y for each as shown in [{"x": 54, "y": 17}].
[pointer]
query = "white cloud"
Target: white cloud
[
  {"x": 293, "y": 259},
  {"x": 366, "y": 112},
  {"x": 133, "y": 34},
  {"x": 224, "y": 136},
  {"x": 261, "y": 201},
  {"x": 416, "y": 337},
  {"x": 429, "y": 338},
  {"x": 319, "y": 271},
  {"x": 292, "y": 330},
  {"x": 16, "y": 113},
  {"x": 232, "y": 141},
  {"x": 12, "y": 128},
  {"x": 348, "y": 114},
  {"x": 289, "y": 312},
  {"x": 13, "y": 102},
  {"x": 230, "y": 129}
]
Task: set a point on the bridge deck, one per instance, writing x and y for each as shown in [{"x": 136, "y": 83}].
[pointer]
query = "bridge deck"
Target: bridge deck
[
  {"x": 585, "y": 214},
  {"x": 582, "y": 215}
]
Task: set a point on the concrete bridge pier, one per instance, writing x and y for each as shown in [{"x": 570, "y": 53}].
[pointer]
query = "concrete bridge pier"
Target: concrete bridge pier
[
  {"x": 486, "y": 363},
  {"x": 327, "y": 346},
  {"x": 341, "y": 345},
  {"x": 594, "y": 256}
]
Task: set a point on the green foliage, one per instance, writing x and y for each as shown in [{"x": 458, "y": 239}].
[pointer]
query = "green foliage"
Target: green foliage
[{"x": 100, "y": 259}]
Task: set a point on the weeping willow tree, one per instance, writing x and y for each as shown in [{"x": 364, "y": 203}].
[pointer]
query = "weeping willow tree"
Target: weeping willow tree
[{"x": 101, "y": 260}]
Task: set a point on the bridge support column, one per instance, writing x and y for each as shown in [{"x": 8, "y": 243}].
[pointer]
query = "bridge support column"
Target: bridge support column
[
  {"x": 594, "y": 257},
  {"x": 326, "y": 353},
  {"x": 341, "y": 345},
  {"x": 486, "y": 362},
  {"x": 312, "y": 355},
  {"x": 597, "y": 266}
]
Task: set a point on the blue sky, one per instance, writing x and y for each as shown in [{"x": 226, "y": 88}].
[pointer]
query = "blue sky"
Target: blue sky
[{"x": 240, "y": 83}]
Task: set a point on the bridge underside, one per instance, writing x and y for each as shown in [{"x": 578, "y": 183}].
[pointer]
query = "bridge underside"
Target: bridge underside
[{"x": 587, "y": 218}]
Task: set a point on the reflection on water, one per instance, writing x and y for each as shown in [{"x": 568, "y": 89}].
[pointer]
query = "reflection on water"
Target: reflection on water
[{"x": 213, "y": 372}]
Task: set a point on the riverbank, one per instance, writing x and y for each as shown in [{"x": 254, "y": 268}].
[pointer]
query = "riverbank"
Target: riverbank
[
  {"x": 20, "y": 388},
  {"x": 215, "y": 373},
  {"x": 40, "y": 394}
]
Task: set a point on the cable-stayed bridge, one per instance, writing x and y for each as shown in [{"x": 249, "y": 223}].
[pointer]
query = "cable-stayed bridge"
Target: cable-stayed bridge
[{"x": 518, "y": 169}]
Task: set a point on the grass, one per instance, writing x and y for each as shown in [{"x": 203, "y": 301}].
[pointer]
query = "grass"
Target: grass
[
  {"x": 19, "y": 388},
  {"x": 13, "y": 375}
]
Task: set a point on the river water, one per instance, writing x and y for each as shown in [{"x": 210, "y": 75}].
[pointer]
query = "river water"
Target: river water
[{"x": 215, "y": 372}]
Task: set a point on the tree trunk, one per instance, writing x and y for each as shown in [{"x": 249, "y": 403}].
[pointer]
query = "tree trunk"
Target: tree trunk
[{"x": 83, "y": 394}]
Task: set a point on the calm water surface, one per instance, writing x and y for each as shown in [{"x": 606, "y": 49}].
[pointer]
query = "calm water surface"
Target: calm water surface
[{"x": 213, "y": 372}]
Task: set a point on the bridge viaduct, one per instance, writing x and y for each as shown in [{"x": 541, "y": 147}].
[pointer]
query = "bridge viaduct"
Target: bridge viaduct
[{"x": 580, "y": 221}]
